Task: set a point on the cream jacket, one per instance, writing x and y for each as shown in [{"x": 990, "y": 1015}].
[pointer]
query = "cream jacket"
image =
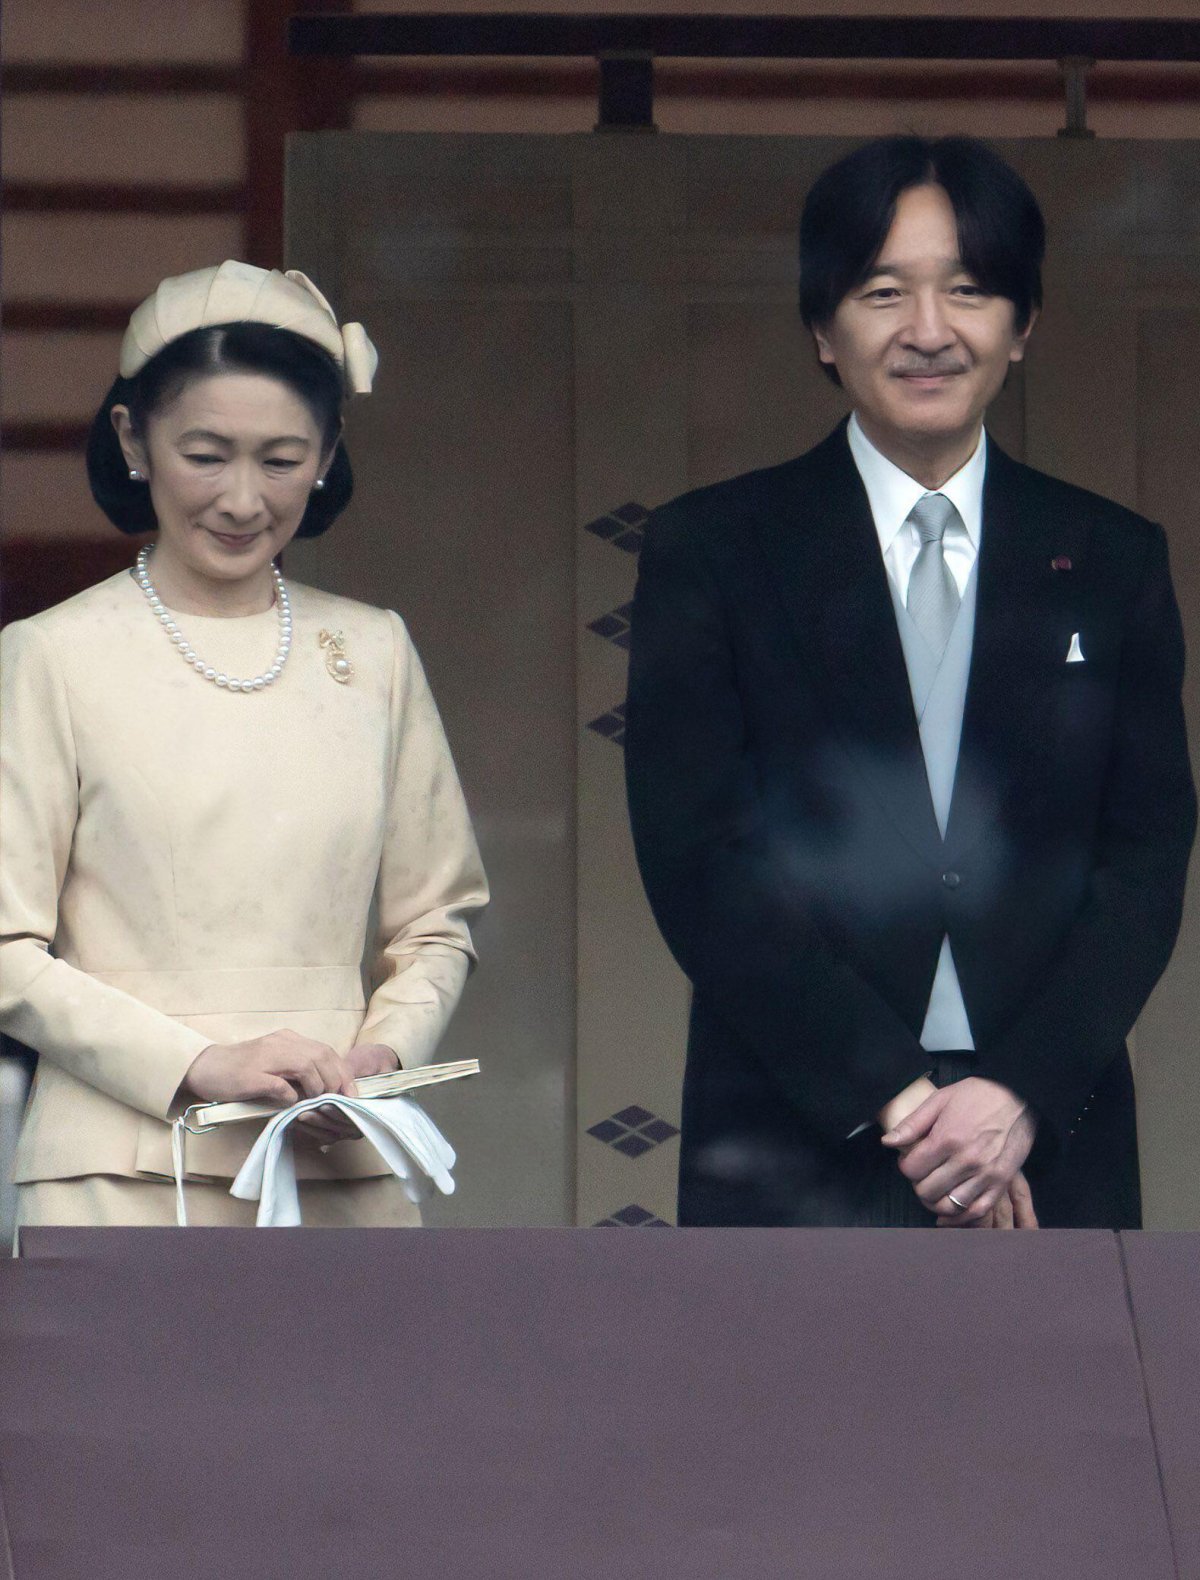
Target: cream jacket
[{"x": 182, "y": 865}]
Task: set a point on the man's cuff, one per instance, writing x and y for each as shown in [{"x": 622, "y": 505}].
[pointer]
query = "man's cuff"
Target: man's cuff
[{"x": 903, "y": 1104}]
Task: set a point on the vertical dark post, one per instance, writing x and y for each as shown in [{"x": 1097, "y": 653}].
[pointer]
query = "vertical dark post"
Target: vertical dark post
[
  {"x": 626, "y": 92},
  {"x": 1075, "y": 69},
  {"x": 283, "y": 94}
]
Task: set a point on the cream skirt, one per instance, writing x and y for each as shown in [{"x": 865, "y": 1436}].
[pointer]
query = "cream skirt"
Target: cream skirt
[{"x": 108, "y": 1200}]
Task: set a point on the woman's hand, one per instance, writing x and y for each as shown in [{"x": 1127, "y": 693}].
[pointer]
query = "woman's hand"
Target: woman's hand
[
  {"x": 371, "y": 1058},
  {"x": 280, "y": 1068},
  {"x": 283, "y": 1067},
  {"x": 327, "y": 1125}
]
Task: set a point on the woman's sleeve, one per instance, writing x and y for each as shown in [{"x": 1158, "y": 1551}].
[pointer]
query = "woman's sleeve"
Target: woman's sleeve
[
  {"x": 431, "y": 880},
  {"x": 99, "y": 1034}
]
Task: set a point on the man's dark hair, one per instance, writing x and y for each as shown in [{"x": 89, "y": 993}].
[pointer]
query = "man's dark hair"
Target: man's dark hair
[
  {"x": 849, "y": 211},
  {"x": 305, "y": 367}
]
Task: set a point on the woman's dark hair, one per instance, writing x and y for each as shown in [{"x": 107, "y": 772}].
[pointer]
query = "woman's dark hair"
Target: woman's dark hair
[
  {"x": 849, "y": 211},
  {"x": 305, "y": 367}
]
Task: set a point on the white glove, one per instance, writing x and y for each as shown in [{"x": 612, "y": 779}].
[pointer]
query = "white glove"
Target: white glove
[{"x": 398, "y": 1129}]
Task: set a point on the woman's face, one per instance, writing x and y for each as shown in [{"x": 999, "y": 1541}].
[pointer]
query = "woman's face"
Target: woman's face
[{"x": 230, "y": 463}]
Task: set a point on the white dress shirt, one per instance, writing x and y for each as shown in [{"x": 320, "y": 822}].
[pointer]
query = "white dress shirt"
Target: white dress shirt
[{"x": 892, "y": 494}]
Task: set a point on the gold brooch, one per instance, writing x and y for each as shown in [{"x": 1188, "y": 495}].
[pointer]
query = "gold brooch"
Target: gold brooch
[{"x": 336, "y": 662}]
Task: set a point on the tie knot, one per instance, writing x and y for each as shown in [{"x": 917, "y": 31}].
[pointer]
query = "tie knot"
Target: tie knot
[{"x": 931, "y": 515}]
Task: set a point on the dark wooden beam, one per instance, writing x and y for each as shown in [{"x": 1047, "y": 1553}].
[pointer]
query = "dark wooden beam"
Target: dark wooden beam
[
  {"x": 68, "y": 317},
  {"x": 43, "y": 436},
  {"x": 96, "y": 197},
  {"x": 541, "y": 77},
  {"x": 101, "y": 78},
  {"x": 745, "y": 37},
  {"x": 569, "y": 79},
  {"x": 44, "y": 568}
]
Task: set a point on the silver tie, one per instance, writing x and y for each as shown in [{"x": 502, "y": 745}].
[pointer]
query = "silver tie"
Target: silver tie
[{"x": 933, "y": 596}]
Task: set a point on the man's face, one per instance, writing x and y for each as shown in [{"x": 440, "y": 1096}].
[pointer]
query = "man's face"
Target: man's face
[{"x": 920, "y": 348}]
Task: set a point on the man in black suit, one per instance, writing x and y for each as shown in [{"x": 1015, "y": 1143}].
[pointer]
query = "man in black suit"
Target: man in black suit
[{"x": 907, "y": 768}]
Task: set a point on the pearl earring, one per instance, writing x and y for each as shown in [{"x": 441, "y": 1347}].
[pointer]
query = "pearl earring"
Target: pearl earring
[
  {"x": 135, "y": 476},
  {"x": 320, "y": 483}
]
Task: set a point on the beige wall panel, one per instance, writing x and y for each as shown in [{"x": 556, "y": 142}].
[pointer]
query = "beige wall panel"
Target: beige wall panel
[
  {"x": 1091, "y": 192},
  {"x": 1168, "y": 1033},
  {"x": 631, "y": 445},
  {"x": 123, "y": 30},
  {"x": 1091, "y": 330},
  {"x": 627, "y": 187},
  {"x": 462, "y": 523},
  {"x": 438, "y": 228},
  {"x": 753, "y": 358},
  {"x": 632, "y": 1000},
  {"x": 100, "y": 257},
  {"x": 1087, "y": 335},
  {"x": 193, "y": 138},
  {"x": 744, "y": 190},
  {"x": 47, "y": 496},
  {"x": 1168, "y": 183},
  {"x": 55, "y": 377}
]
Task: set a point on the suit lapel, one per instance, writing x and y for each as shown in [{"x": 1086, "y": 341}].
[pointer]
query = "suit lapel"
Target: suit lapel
[
  {"x": 1020, "y": 645},
  {"x": 817, "y": 532}
]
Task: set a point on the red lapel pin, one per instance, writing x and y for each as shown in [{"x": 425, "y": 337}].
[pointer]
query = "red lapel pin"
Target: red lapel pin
[{"x": 1060, "y": 562}]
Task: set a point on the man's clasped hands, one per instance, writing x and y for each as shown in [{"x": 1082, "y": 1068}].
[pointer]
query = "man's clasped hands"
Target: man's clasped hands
[{"x": 967, "y": 1140}]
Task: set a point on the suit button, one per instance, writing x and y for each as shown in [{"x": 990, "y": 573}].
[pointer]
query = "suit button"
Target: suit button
[{"x": 951, "y": 879}]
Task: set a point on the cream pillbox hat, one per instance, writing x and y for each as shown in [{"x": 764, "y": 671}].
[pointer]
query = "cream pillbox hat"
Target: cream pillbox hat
[{"x": 230, "y": 293}]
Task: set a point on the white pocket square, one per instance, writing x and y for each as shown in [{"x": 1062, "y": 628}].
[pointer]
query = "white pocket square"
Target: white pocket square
[{"x": 1075, "y": 652}]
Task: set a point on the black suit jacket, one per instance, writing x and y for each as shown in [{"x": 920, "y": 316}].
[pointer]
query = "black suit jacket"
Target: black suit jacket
[{"x": 788, "y": 843}]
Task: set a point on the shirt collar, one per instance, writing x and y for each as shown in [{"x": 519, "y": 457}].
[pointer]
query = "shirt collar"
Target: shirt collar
[{"x": 892, "y": 493}]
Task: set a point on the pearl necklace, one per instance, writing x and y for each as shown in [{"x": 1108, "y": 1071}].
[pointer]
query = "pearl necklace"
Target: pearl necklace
[{"x": 189, "y": 654}]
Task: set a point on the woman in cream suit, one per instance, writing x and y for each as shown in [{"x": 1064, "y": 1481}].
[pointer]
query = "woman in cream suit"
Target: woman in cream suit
[{"x": 214, "y": 781}]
